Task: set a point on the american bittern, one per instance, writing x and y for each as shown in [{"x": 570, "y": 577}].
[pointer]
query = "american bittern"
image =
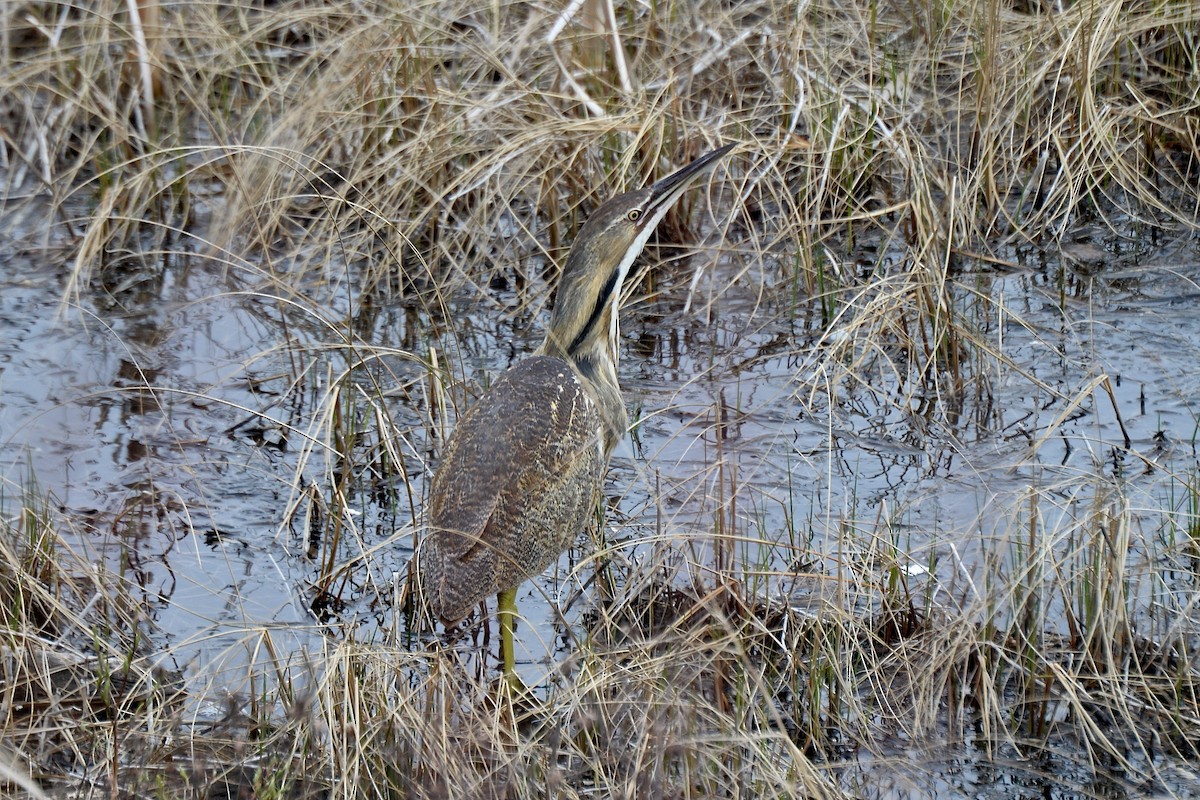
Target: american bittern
[{"x": 523, "y": 473}]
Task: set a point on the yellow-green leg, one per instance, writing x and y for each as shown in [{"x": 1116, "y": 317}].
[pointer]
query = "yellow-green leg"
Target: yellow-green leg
[{"x": 507, "y": 600}]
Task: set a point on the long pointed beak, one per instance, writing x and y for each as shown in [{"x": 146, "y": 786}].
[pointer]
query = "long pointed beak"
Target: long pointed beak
[{"x": 665, "y": 191}]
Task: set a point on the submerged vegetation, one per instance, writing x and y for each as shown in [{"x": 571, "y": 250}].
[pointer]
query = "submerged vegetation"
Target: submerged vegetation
[{"x": 890, "y": 518}]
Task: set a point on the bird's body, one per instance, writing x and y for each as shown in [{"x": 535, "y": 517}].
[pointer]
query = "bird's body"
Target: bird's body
[
  {"x": 520, "y": 478},
  {"x": 523, "y": 473}
]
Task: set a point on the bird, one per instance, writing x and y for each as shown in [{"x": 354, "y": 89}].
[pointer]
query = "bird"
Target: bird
[{"x": 522, "y": 474}]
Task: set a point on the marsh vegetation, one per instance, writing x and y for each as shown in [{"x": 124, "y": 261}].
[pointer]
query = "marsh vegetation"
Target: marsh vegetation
[{"x": 910, "y": 502}]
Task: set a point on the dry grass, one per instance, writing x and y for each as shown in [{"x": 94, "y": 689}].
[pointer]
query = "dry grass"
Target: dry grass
[{"x": 339, "y": 164}]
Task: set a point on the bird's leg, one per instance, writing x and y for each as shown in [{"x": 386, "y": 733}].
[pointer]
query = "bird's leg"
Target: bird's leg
[
  {"x": 507, "y": 601},
  {"x": 603, "y": 576}
]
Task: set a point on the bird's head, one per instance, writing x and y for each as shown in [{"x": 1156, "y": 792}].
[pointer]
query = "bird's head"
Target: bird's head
[{"x": 584, "y": 322}]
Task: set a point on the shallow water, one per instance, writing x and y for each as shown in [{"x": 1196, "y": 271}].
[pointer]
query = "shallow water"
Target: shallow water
[{"x": 168, "y": 414}]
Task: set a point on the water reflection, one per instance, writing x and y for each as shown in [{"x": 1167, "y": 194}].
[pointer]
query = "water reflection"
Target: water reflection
[{"x": 256, "y": 468}]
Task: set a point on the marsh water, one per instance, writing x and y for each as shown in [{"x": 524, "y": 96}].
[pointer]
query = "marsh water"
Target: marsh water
[{"x": 176, "y": 412}]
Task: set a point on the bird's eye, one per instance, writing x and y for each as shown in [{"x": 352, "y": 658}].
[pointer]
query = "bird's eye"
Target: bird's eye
[{"x": 634, "y": 214}]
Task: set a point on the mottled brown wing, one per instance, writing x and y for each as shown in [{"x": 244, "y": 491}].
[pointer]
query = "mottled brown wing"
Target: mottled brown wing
[{"x": 519, "y": 479}]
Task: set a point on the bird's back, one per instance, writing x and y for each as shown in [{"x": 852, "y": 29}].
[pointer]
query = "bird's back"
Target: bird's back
[{"x": 520, "y": 478}]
